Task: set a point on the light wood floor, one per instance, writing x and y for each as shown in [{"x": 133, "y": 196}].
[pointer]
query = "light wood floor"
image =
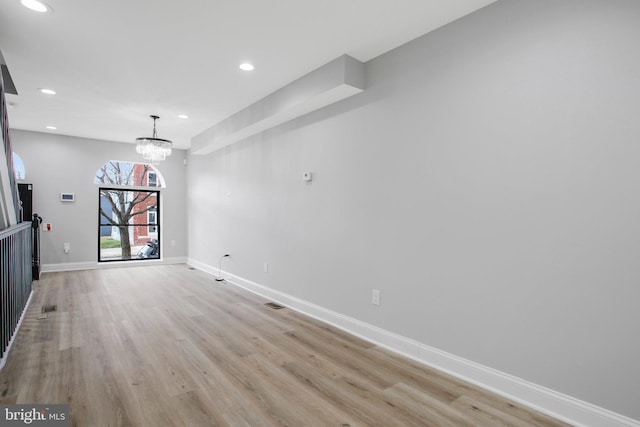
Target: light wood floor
[{"x": 168, "y": 346}]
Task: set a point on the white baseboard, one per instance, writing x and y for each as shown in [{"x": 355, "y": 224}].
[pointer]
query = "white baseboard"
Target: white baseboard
[
  {"x": 558, "y": 405},
  {"x": 72, "y": 266},
  {"x": 3, "y": 361}
]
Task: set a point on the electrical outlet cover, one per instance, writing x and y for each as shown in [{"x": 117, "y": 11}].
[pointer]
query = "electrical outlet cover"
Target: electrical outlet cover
[{"x": 375, "y": 297}]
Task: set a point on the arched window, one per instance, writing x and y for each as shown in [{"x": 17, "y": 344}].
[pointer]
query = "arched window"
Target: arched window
[
  {"x": 18, "y": 167},
  {"x": 129, "y": 174},
  {"x": 129, "y": 216}
]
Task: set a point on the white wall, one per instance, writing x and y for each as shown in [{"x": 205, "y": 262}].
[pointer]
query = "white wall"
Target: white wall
[
  {"x": 486, "y": 181},
  {"x": 56, "y": 164}
]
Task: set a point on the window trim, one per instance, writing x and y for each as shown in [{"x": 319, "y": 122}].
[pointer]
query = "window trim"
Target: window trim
[{"x": 146, "y": 225}]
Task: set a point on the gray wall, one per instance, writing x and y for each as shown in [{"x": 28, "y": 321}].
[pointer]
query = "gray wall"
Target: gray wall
[
  {"x": 486, "y": 182},
  {"x": 56, "y": 164}
]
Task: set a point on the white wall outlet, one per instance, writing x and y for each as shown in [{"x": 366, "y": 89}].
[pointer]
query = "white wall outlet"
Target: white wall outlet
[
  {"x": 306, "y": 176},
  {"x": 266, "y": 267},
  {"x": 173, "y": 243},
  {"x": 67, "y": 248},
  {"x": 375, "y": 297}
]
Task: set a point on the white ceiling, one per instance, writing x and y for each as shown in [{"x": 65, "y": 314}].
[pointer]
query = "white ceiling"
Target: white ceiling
[{"x": 115, "y": 62}]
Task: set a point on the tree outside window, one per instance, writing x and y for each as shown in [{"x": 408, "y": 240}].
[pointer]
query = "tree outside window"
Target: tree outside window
[{"x": 128, "y": 218}]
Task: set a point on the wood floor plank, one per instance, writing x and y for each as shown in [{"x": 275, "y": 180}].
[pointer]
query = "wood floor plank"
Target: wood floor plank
[
  {"x": 289, "y": 405},
  {"x": 434, "y": 411},
  {"x": 485, "y": 415},
  {"x": 211, "y": 380},
  {"x": 166, "y": 345},
  {"x": 346, "y": 356},
  {"x": 338, "y": 396}
]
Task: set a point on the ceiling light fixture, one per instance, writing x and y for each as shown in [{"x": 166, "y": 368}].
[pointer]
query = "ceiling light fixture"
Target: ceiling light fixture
[
  {"x": 183, "y": 116},
  {"x": 51, "y": 127},
  {"x": 246, "y": 66},
  {"x": 36, "y": 5},
  {"x": 153, "y": 149},
  {"x": 48, "y": 91}
]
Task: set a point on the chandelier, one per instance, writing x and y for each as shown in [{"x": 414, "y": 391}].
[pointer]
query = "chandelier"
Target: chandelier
[{"x": 153, "y": 149}]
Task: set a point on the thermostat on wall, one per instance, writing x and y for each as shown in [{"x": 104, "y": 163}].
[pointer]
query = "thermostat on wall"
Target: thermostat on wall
[{"x": 68, "y": 197}]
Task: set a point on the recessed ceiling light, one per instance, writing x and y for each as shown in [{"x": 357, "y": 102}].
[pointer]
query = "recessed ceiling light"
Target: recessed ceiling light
[
  {"x": 36, "y": 5},
  {"x": 52, "y": 127},
  {"x": 246, "y": 66},
  {"x": 183, "y": 116},
  {"x": 48, "y": 91}
]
